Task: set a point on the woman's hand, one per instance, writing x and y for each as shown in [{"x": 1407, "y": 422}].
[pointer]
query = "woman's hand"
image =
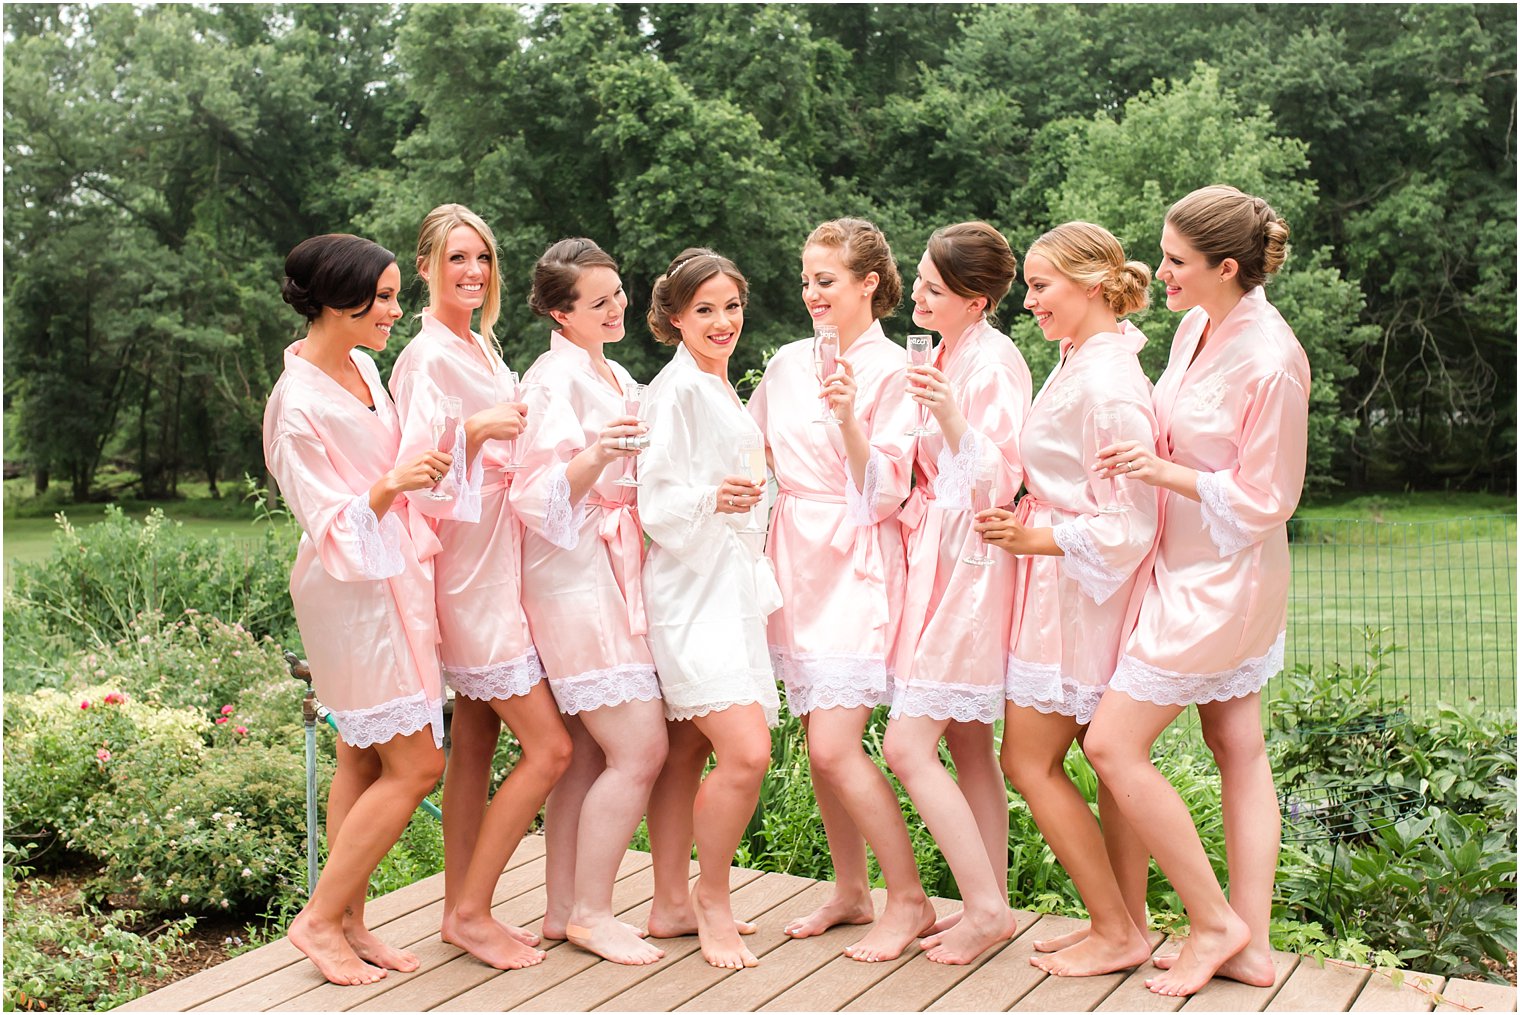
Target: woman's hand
[
  {"x": 839, "y": 391},
  {"x": 736, "y": 495},
  {"x": 998, "y": 528},
  {"x": 426, "y": 470},
  {"x": 930, "y": 387},
  {"x": 1137, "y": 460},
  {"x": 618, "y": 440},
  {"x": 503, "y": 421}
]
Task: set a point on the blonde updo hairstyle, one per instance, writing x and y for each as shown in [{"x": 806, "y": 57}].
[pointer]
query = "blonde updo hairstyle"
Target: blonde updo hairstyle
[
  {"x": 974, "y": 260},
  {"x": 1221, "y": 221},
  {"x": 675, "y": 290},
  {"x": 1090, "y": 256},
  {"x": 432, "y": 248},
  {"x": 864, "y": 249},
  {"x": 558, "y": 271}
]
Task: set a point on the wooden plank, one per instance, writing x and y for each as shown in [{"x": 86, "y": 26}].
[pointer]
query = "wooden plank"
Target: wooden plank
[
  {"x": 1416, "y": 992},
  {"x": 1076, "y": 993},
  {"x": 1476, "y": 995},
  {"x": 1220, "y": 994},
  {"x": 913, "y": 987},
  {"x": 1320, "y": 986},
  {"x": 686, "y": 978},
  {"x": 1004, "y": 979}
]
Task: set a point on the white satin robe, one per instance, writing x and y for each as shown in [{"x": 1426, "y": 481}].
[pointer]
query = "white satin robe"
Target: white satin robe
[
  {"x": 1071, "y": 613},
  {"x": 1213, "y": 618},
  {"x": 584, "y": 598},
  {"x": 837, "y": 549},
  {"x": 952, "y": 647},
  {"x": 362, "y": 586},
  {"x": 707, "y": 587}
]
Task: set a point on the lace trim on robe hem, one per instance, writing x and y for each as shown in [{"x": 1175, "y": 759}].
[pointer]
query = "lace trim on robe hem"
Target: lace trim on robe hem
[
  {"x": 816, "y": 680},
  {"x": 860, "y": 505},
  {"x": 961, "y": 702},
  {"x": 1219, "y": 518},
  {"x": 399, "y": 717},
  {"x": 1145, "y": 682},
  {"x": 1041, "y": 687},
  {"x": 379, "y": 539},
  {"x": 1084, "y": 565},
  {"x": 467, "y": 494},
  {"x": 685, "y": 712},
  {"x": 952, "y": 483},
  {"x": 500, "y": 680},
  {"x": 615, "y": 685},
  {"x": 562, "y": 525}
]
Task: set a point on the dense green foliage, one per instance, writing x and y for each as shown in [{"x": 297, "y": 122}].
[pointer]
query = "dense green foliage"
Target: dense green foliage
[{"x": 160, "y": 161}]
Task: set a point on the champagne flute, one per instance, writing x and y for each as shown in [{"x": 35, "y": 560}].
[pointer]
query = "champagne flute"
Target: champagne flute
[
  {"x": 1107, "y": 423},
  {"x": 751, "y": 464},
  {"x": 509, "y": 389},
  {"x": 981, "y": 500},
  {"x": 920, "y": 349},
  {"x": 825, "y": 362},
  {"x": 447, "y": 418},
  {"x": 633, "y": 405}
]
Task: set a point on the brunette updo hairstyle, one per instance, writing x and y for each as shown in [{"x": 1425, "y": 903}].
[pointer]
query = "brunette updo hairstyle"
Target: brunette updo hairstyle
[
  {"x": 674, "y": 290},
  {"x": 432, "y": 248},
  {"x": 336, "y": 270},
  {"x": 1220, "y": 222},
  {"x": 975, "y": 260},
  {"x": 864, "y": 250},
  {"x": 558, "y": 271},
  {"x": 1090, "y": 256}
]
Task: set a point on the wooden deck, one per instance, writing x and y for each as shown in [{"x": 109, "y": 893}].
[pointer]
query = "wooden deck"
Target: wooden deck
[{"x": 805, "y": 975}]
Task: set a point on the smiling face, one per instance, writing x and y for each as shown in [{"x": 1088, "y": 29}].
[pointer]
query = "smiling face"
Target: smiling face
[
  {"x": 372, "y": 329},
  {"x": 466, "y": 274},
  {"x": 939, "y": 308},
  {"x": 1061, "y": 307},
  {"x": 832, "y": 293},
  {"x": 711, "y": 323},
  {"x": 1189, "y": 278},
  {"x": 597, "y": 316}
]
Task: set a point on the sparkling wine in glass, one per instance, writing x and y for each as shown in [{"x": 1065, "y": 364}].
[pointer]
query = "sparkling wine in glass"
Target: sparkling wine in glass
[
  {"x": 509, "y": 389},
  {"x": 447, "y": 418},
  {"x": 751, "y": 465},
  {"x": 825, "y": 362},
  {"x": 920, "y": 349},
  {"x": 1107, "y": 430},
  {"x": 981, "y": 500},
  {"x": 633, "y": 405}
]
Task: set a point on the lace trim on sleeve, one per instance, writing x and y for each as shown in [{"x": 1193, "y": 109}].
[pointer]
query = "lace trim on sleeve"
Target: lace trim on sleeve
[
  {"x": 365, "y": 727},
  {"x": 1145, "y": 682},
  {"x": 379, "y": 539},
  {"x": 1084, "y": 565},
  {"x": 467, "y": 493},
  {"x": 861, "y": 504},
  {"x": 1219, "y": 518},
  {"x": 952, "y": 484},
  {"x": 562, "y": 522},
  {"x": 703, "y": 516}
]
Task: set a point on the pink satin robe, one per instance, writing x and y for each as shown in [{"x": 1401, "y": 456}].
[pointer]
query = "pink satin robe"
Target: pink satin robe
[
  {"x": 1071, "y": 613},
  {"x": 585, "y": 600},
  {"x": 837, "y": 549},
  {"x": 707, "y": 587},
  {"x": 487, "y": 647},
  {"x": 952, "y": 647},
  {"x": 1213, "y": 619},
  {"x": 362, "y": 586}
]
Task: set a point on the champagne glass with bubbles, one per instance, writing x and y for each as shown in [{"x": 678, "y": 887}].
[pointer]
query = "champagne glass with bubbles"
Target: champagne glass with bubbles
[
  {"x": 509, "y": 389},
  {"x": 1107, "y": 430},
  {"x": 447, "y": 418},
  {"x": 633, "y": 405},
  {"x": 920, "y": 349},
  {"x": 825, "y": 363},
  {"x": 751, "y": 465},
  {"x": 981, "y": 500}
]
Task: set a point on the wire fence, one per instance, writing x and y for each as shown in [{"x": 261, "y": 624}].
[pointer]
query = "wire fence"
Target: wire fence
[{"x": 1442, "y": 591}]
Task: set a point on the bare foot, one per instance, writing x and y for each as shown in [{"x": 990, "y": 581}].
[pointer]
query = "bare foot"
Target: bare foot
[
  {"x": 944, "y": 923},
  {"x": 1201, "y": 956},
  {"x": 376, "y": 952},
  {"x": 490, "y": 941},
  {"x": 556, "y": 932},
  {"x": 900, "y": 923},
  {"x": 613, "y": 940},
  {"x": 831, "y": 914},
  {"x": 716, "y": 928},
  {"x": 1094, "y": 956},
  {"x": 1055, "y": 944},
  {"x": 1252, "y": 966},
  {"x": 681, "y": 921},
  {"x": 331, "y": 953},
  {"x": 971, "y": 936}
]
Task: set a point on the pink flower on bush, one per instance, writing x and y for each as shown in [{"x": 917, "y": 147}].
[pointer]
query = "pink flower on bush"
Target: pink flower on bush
[
  {"x": 85, "y": 703},
  {"x": 240, "y": 730},
  {"x": 226, "y": 710},
  {"x": 116, "y": 698},
  {"x": 221, "y": 719},
  {"x": 103, "y": 755}
]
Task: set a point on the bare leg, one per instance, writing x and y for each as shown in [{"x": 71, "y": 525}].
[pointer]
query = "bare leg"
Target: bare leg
[
  {"x": 546, "y": 749},
  {"x": 562, "y": 822},
  {"x": 1034, "y": 752},
  {"x": 1119, "y": 745},
  {"x": 410, "y": 767},
  {"x": 725, "y": 803},
  {"x": 912, "y": 749},
  {"x": 671, "y": 832},
  {"x": 851, "y": 900},
  {"x": 981, "y": 780}
]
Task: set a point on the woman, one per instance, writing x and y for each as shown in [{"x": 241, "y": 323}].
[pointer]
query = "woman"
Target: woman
[
  {"x": 488, "y": 655},
  {"x": 839, "y": 561},
  {"x": 707, "y": 592},
  {"x": 1233, "y": 409},
  {"x": 362, "y": 583},
  {"x": 953, "y": 645},
  {"x": 1082, "y": 541},
  {"x": 586, "y": 610}
]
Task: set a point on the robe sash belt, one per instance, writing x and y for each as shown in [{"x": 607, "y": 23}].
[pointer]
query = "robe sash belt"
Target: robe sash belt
[{"x": 624, "y": 537}]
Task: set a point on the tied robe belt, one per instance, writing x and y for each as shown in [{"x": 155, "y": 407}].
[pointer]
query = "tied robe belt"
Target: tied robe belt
[
  {"x": 859, "y": 542},
  {"x": 624, "y": 536}
]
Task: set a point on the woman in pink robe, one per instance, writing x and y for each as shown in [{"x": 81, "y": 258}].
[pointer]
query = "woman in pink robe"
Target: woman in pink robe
[
  {"x": 362, "y": 584},
  {"x": 1233, "y": 410},
  {"x": 1081, "y": 542},
  {"x": 586, "y": 609},
  {"x": 952, "y": 647},
  {"x": 839, "y": 561},
  {"x": 488, "y": 654}
]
